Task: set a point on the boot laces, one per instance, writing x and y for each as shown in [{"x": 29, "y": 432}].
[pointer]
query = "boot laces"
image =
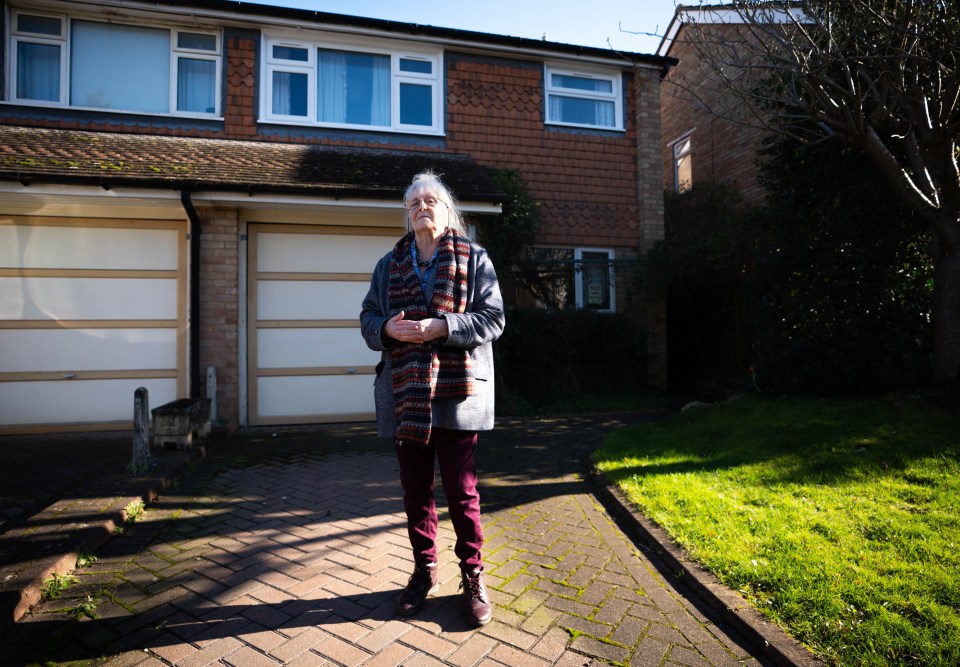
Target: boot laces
[
  {"x": 420, "y": 580},
  {"x": 474, "y": 586}
]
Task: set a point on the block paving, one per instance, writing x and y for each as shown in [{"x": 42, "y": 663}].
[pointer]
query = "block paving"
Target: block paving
[{"x": 289, "y": 547}]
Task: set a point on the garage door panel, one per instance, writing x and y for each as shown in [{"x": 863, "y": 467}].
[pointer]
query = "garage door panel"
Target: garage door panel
[
  {"x": 78, "y": 401},
  {"x": 310, "y": 300},
  {"x": 291, "y": 348},
  {"x": 47, "y": 350},
  {"x": 320, "y": 253},
  {"x": 324, "y": 395},
  {"x": 68, "y": 298},
  {"x": 47, "y": 247},
  {"x": 309, "y": 362},
  {"x": 90, "y": 310}
]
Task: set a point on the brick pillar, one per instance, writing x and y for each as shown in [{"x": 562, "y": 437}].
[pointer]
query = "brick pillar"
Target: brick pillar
[
  {"x": 651, "y": 309},
  {"x": 219, "y": 307},
  {"x": 240, "y": 113}
]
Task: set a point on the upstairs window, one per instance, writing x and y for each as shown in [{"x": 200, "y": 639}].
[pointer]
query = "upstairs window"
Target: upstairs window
[
  {"x": 682, "y": 164},
  {"x": 584, "y": 99},
  {"x": 64, "y": 61},
  {"x": 336, "y": 85}
]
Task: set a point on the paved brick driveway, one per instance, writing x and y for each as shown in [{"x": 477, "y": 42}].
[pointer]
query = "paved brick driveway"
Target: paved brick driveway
[{"x": 290, "y": 548}]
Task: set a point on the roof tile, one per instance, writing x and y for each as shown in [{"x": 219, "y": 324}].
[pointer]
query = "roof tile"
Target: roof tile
[{"x": 30, "y": 154}]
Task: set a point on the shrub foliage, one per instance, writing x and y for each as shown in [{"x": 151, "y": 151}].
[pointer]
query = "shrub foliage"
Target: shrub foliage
[
  {"x": 840, "y": 283},
  {"x": 544, "y": 355},
  {"x": 825, "y": 289}
]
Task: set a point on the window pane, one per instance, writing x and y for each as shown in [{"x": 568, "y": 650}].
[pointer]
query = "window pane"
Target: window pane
[
  {"x": 196, "y": 41},
  {"x": 595, "y": 277},
  {"x": 682, "y": 165},
  {"x": 196, "y": 85},
  {"x": 290, "y": 53},
  {"x": 683, "y": 173},
  {"x": 353, "y": 88},
  {"x": 416, "y": 104},
  {"x": 418, "y": 66},
  {"x": 582, "y": 83},
  {"x": 582, "y": 112},
  {"x": 38, "y": 72},
  {"x": 120, "y": 67},
  {"x": 290, "y": 94},
  {"x": 38, "y": 25},
  {"x": 550, "y": 277}
]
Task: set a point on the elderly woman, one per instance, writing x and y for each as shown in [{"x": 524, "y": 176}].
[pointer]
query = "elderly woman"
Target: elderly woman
[{"x": 433, "y": 311}]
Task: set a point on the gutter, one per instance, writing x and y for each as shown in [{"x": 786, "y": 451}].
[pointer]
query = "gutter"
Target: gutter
[{"x": 194, "y": 340}]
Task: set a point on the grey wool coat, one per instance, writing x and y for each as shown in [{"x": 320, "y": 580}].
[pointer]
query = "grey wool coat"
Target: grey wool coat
[{"x": 474, "y": 330}]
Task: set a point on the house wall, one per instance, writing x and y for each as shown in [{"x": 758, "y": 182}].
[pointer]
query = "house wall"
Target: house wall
[
  {"x": 597, "y": 189},
  {"x": 723, "y": 149},
  {"x": 585, "y": 180}
]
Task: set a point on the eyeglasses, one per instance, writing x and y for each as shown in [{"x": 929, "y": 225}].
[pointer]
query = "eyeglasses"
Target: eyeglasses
[{"x": 429, "y": 202}]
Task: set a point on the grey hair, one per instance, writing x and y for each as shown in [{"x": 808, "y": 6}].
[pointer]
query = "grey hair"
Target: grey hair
[{"x": 427, "y": 180}]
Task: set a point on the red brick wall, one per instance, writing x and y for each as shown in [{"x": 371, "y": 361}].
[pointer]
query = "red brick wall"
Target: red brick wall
[
  {"x": 723, "y": 150},
  {"x": 585, "y": 181},
  {"x": 240, "y": 111}
]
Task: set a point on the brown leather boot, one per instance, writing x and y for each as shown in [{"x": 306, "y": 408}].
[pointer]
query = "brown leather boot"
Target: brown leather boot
[
  {"x": 423, "y": 583},
  {"x": 475, "y": 599}
]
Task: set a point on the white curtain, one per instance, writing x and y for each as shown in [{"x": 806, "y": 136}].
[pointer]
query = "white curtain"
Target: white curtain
[
  {"x": 380, "y": 95},
  {"x": 353, "y": 88},
  {"x": 38, "y": 72},
  {"x": 331, "y": 86},
  {"x": 196, "y": 85},
  {"x": 604, "y": 114},
  {"x": 289, "y": 94}
]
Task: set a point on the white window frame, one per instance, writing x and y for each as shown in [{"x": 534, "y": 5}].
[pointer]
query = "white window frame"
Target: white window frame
[
  {"x": 63, "y": 41},
  {"x": 615, "y": 96},
  {"x": 273, "y": 64},
  {"x": 581, "y": 298},
  {"x": 373, "y": 47},
  {"x": 177, "y": 53},
  {"x": 16, "y": 37}
]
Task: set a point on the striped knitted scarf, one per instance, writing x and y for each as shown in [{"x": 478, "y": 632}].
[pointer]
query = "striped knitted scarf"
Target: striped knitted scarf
[{"x": 425, "y": 371}]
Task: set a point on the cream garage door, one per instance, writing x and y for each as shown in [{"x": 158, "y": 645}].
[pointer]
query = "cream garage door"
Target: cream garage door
[
  {"x": 307, "y": 362},
  {"x": 90, "y": 310}
]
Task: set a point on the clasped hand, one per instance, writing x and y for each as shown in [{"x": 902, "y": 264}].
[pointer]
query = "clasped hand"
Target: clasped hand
[{"x": 415, "y": 331}]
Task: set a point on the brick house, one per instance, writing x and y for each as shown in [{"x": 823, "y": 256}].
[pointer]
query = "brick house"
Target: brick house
[
  {"x": 208, "y": 184},
  {"x": 707, "y": 138},
  {"x": 703, "y": 138}
]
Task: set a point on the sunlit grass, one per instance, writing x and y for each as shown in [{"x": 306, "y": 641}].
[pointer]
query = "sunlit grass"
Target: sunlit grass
[{"x": 836, "y": 519}]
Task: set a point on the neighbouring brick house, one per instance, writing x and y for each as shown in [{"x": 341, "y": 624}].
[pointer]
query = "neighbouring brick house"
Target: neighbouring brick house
[
  {"x": 706, "y": 133},
  {"x": 707, "y": 138},
  {"x": 207, "y": 184}
]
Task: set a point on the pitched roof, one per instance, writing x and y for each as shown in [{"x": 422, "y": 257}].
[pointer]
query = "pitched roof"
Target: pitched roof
[{"x": 33, "y": 155}]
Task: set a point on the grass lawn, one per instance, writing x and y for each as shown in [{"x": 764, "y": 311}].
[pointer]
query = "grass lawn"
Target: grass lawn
[{"x": 838, "y": 519}]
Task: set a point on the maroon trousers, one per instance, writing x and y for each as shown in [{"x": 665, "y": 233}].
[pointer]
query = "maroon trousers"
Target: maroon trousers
[{"x": 454, "y": 451}]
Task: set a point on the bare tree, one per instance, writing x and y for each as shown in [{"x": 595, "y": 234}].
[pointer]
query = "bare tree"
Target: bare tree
[{"x": 882, "y": 75}]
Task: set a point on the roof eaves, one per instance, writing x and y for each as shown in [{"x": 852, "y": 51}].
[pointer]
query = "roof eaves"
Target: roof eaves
[
  {"x": 455, "y": 35},
  {"x": 333, "y": 190}
]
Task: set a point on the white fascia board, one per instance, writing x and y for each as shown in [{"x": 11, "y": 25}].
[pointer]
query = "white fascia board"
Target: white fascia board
[
  {"x": 723, "y": 15},
  {"x": 171, "y": 197}
]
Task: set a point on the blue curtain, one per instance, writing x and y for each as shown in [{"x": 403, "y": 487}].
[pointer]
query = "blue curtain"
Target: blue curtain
[{"x": 120, "y": 67}]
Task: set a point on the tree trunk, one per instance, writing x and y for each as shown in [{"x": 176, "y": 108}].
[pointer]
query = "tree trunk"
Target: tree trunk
[{"x": 946, "y": 302}]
